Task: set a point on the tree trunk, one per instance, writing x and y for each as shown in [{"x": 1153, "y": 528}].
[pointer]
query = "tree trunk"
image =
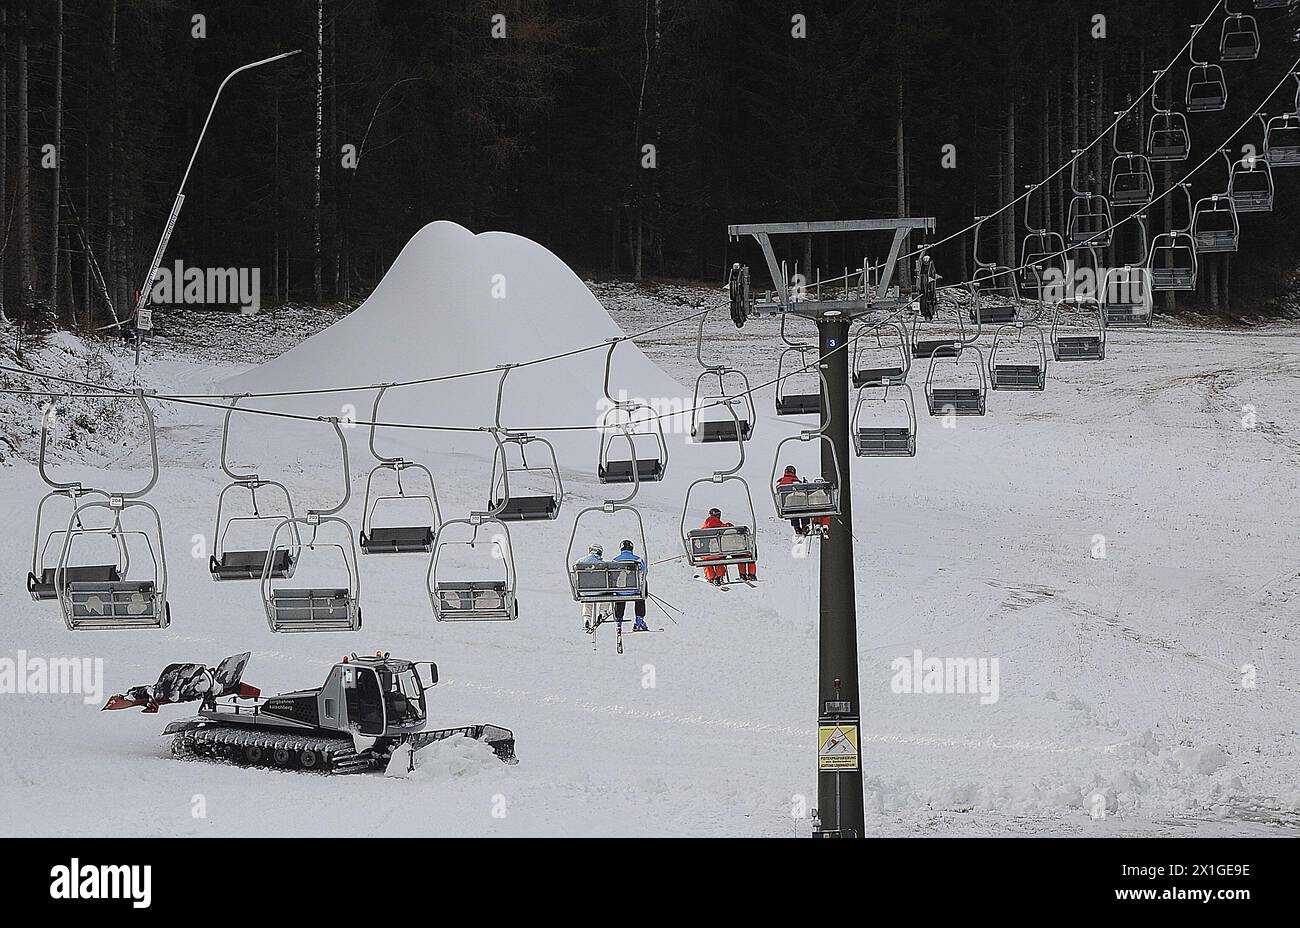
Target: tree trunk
[
  {"x": 4, "y": 153},
  {"x": 55, "y": 193},
  {"x": 22, "y": 192},
  {"x": 316, "y": 201}
]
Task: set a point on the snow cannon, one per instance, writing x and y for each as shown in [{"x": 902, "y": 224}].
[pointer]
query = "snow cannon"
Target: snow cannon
[{"x": 366, "y": 709}]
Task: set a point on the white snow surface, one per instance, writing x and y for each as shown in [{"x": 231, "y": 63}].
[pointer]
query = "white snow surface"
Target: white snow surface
[{"x": 1121, "y": 679}]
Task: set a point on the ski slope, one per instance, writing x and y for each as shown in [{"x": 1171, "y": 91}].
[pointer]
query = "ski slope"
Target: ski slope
[{"x": 1120, "y": 677}]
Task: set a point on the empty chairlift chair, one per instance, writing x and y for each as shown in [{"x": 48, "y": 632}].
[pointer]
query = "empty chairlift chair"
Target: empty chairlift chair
[
  {"x": 315, "y": 606},
  {"x": 1251, "y": 187},
  {"x": 1018, "y": 359},
  {"x": 47, "y": 545},
  {"x": 647, "y": 460},
  {"x": 1042, "y": 254},
  {"x": 797, "y": 386},
  {"x": 994, "y": 293},
  {"x": 884, "y": 422},
  {"x": 945, "y": 398},
  {"x": 410, "y": 535},
  {"x": 881, "y": 355},
  {"x": 248, "y": 562},
  {"x": 1172, "y": 260},
  {"x": 1169, "y": 138},
  {"x": 108, "y": 599},
  {"x": 1085, "y": 346},
  {"x": 1215, "y": 227},
  {"x": 1126, "y": 297},
  {"x": 714, "y": 414},
  {"x": 1207, "y": 86},
  {"x": 1282, "y": 141},
  {"x": 1239, "y": 38},
  {"x": 537, "y": 492},
  {"x": 457, "y": 596},
  {"x": 1090, "y": 221}
]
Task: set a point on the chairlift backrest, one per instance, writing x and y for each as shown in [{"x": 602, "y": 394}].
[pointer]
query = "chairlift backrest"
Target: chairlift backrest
[{"x": 474, "y": 599}]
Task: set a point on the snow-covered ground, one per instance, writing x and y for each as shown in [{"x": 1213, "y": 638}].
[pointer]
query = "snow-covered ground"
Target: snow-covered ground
[{"x": 1120, "y": 676}]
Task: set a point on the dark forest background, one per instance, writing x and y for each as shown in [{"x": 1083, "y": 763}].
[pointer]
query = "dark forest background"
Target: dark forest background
[{"x": 541, "y": 132}]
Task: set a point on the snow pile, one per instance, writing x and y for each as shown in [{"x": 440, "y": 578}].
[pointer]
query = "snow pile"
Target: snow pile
[{"x": 452, "y": 758}]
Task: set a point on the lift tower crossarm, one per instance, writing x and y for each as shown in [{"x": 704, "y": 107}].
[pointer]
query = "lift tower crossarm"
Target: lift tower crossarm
[{"x": 762, "y": 233}]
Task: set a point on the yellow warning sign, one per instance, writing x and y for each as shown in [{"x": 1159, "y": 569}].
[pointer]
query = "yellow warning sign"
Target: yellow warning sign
[{"x": 837, "y": 747}]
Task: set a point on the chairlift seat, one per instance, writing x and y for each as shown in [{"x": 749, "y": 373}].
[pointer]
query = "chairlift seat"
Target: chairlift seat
[
  {"x": 474, "y": 600},
  {"x": 1127, "y": 315},
  {"x": 713, "y": 432},
  {"x": 43, "y": 589},
  {"x": 1206, "y": 97},
  {"x": 647, "y": 470},
  {"x": 414, "y": 539},
  {"x": 885, "y": 442},
  {"x": 1173, "y": 278},
  {"x": 1169, "y": 145},
  {"x": 878, "y": 375},
  {"x": 960, "y": 401},
  {"x": 993, "y": 315},
  {"x": 796, "y": 404},
  {"x": 1131, "y": 189},
  {"x": 116, "y": 604},
  {"x": 1216, "y": 241},
  {"x": 807, "y": 500},
  {"x": 935, "y": 348},
  {"x": 1018, "y": 377},
  {"x": 248, "y": 565},
  {"x": 720, "y": 546},
  {"x": 527, "y": 508},
  {"x": 314, "y": 610},
  {"x": 1240, "y": 45},
  {"x": 608, "y": 581},
  {"x": 1079, "y": 348}
]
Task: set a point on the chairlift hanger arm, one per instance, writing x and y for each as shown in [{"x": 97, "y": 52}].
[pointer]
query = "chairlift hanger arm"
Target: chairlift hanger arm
[{"x": 347, "y": 474}]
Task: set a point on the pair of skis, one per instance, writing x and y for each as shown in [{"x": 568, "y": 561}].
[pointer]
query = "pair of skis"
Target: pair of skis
[{"x": 726, "y": 586}]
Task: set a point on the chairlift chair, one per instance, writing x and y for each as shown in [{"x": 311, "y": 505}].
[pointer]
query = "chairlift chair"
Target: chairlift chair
[
  {"x": 643, "y": 424},
  {"x": 1251, "y": 187},
  {"x": 404, "y": 538},
  {"x": 104, "y": 596},
  {"x": 790, "y": 402},
  {"x": 879, "y": 431},
  {"x": 247, "y": 563},
  {"x": 1126, "y": 297},
  {"x": 1215, "y": 227},
  {"x": 729, "y": 425},
  {"x": 1239, "y": 39},
  {"x": 966, "y": 400},
  {"x": 102, "y": 601},
  {"x": 995, "y": 296},
  {"x": 1207, "y": 86},
  {"x": 298, "y": 608},
  {"x": 609, "y": 581},
  {"x": 720, "y": 547},
  {"x": 1173, "y": 261},
  {"x": 476, "y": 599},
  {"x": 535, "y": 505},
  {"x": 809, "y": 499},
  {"x": 1169, "y": 138},
  {"x": 1282, "y": 141},
  {"x": 1090, "y": 347},
  {"x": 1019, "y": 373},
  {"x": 1041, "y": 252},
  {"x": 45, "y": 562},
  {"x": 869, "y": 367},
  {"x": 1131, "y": 181},
  {"x": 1089, "y": 220}
]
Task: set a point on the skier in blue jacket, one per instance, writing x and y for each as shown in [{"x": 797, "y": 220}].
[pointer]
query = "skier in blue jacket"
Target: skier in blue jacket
[{"x": 628, "y": 554}]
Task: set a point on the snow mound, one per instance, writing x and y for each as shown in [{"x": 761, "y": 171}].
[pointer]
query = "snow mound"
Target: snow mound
[
  {"x": 454, "y": 757},
  {"x": 454, "y": 301}
]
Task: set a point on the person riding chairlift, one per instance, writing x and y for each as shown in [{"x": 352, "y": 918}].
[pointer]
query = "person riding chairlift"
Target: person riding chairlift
[
  {"x": 718, "y": 575},
  {"x": 591, "y": 619},
  {"x": 626, "y": 553},
  {"x": 802, "y": 526}
]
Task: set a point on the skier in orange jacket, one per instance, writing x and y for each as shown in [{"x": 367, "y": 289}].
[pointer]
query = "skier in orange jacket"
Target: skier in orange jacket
[{"x": 718, "y": 575}]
